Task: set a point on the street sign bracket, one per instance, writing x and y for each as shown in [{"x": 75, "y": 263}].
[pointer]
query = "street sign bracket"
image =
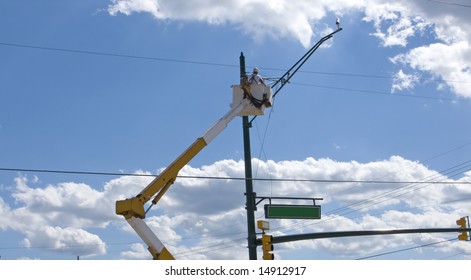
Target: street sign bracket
[{"x": 270, "y": 198}]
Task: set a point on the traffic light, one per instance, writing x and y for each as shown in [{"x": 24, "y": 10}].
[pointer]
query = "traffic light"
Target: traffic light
[
  {"x": 267, "y": 247},
  {"x": 462, "y": 223}
]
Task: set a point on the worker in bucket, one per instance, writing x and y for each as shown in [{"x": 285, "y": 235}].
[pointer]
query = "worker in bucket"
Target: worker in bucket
[{"x": 255, "y": 78}]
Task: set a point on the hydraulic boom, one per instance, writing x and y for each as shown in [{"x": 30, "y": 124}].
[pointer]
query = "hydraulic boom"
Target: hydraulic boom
[{"x": 247, "y": 100}]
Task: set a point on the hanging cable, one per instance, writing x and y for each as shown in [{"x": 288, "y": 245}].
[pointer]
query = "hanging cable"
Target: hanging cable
[{"x": 235, "y": 178}]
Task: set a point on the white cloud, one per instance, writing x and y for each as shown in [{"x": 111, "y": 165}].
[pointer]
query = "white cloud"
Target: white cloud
[
  {"x": 137, "y": 251},
  {"x": 395, "y": 23},
  {"x": 422, "y": 198},
  {"x": 206, "y": 219},
  {"x": 448, "y": 58},
  {"x": 403, "y": 81},
  {"x": 128, "y": 7},
  {"x": 74, "y": 241},
  {"x": 54, "y": 217},
  {"x": 4, "y": 210},
  {"x": 283, "y": 18},
  {"x": 61, "y": 203},
  {"x": 196, "y": 217},
  {"x": 276, "y": 19},
  {"x": 400, "y": 24},
  {"x": 450, "y": 62}
]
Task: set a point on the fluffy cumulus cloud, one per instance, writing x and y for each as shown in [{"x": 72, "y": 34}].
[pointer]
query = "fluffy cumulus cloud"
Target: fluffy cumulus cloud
[
  {"x": 450, "y": 62},
  {"x": 206, "y": 218},
  {"x": 447, "y": 57},
  {"x": 69, "y": 240},
  {"x": 394, "y": 22},
  {"x": 280, "y": 18},
  {"x": 60, "y": 201},
  {"x": 61, "y": 217}
]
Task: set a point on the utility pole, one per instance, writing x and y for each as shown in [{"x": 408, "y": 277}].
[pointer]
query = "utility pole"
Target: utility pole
[
  {"x": 249, "y": 193},
  {"x": 251, "y": 206},
  {"x": 246, "y": 125}
]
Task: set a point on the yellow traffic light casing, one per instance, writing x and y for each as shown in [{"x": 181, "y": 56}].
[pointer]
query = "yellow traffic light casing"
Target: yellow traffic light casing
[
  {"x": 263, "y": 225},
  {"x": 267, "y": 247},
  {"x": 462, "y": 223}
]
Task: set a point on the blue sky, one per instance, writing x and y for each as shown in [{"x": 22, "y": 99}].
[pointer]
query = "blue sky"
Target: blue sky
[{"x": 124, "y": 86}]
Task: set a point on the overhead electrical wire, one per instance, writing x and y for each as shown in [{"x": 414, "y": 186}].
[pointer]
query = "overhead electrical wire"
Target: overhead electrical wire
[
  {"x": 385, "y": 196},
  {"x": 452, "y": 256},
  {"x": 173, "y": 60},
  {"x": 382, "y": 93},
  {"x": 408, "y": 249},
  {"x": 395, "y": 193},
  {"x": 298, "y": 225},
  {"x": 408, "y": 188},
  {"x": 116, "y": 55},
  {"x": 401, "y": 191},
  {"x": 451, "y": 3},
  {"x": 210, "y": 248},
  {"x": 66, "y": 246},
  {"x": 231, "y": 178},
  {"x": 266, "y": 68},
  {"x": 422, "y": 161}
]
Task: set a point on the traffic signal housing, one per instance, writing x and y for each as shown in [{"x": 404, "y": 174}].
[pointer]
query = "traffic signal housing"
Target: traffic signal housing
[
  {"x": 267, "y": 247},
  {"x": 463, "y": 224}
]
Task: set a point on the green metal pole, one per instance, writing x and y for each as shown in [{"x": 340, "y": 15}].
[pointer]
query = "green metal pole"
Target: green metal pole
[{"x": 249, "y": 193}]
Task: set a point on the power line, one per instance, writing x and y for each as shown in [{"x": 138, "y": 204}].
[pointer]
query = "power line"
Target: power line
[
  {"x": 210, "y": 248},
  {"x": 364, "y": 75},
  {"x": 77, "y": 51},
  {"x": 400, "y": 191},
  {"x": 116, "y": 55},
  {"x": 450, "y": 3},
  {"x": 386, "y": 196},
  {"x": 380, "y": 92},
  {"x": 423, "y": 161},
  {"x": 67, "y": 246},
  {"x": 452, "y": 256},
  {"x": 234, "y": 178},
  {"x": 130, "y": 56},
  {"x": 407, "y": 249},
  {"x": 204, "y": 249}
]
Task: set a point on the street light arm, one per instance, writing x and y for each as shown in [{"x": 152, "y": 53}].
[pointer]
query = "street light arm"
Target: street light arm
[{"x": 292, "y": 71}]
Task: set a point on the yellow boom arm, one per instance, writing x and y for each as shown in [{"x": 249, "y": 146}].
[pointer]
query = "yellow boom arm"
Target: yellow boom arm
[{"x": 133, "y": 208}]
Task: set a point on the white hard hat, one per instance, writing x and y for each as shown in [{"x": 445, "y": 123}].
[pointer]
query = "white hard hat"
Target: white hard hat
[{"x": 255, "y": 70}]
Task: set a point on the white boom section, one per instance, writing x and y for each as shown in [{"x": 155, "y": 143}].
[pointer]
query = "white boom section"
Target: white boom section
[
  {"x": 217, "y": 128},
  {"x": 146, "y": 234}
]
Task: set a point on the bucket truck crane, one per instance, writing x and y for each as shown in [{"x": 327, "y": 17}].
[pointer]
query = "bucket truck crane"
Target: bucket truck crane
[{"x": 247, "y": 100}]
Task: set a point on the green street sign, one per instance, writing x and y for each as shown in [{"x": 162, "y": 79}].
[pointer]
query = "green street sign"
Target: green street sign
[{"x": 287, "y": 211}]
